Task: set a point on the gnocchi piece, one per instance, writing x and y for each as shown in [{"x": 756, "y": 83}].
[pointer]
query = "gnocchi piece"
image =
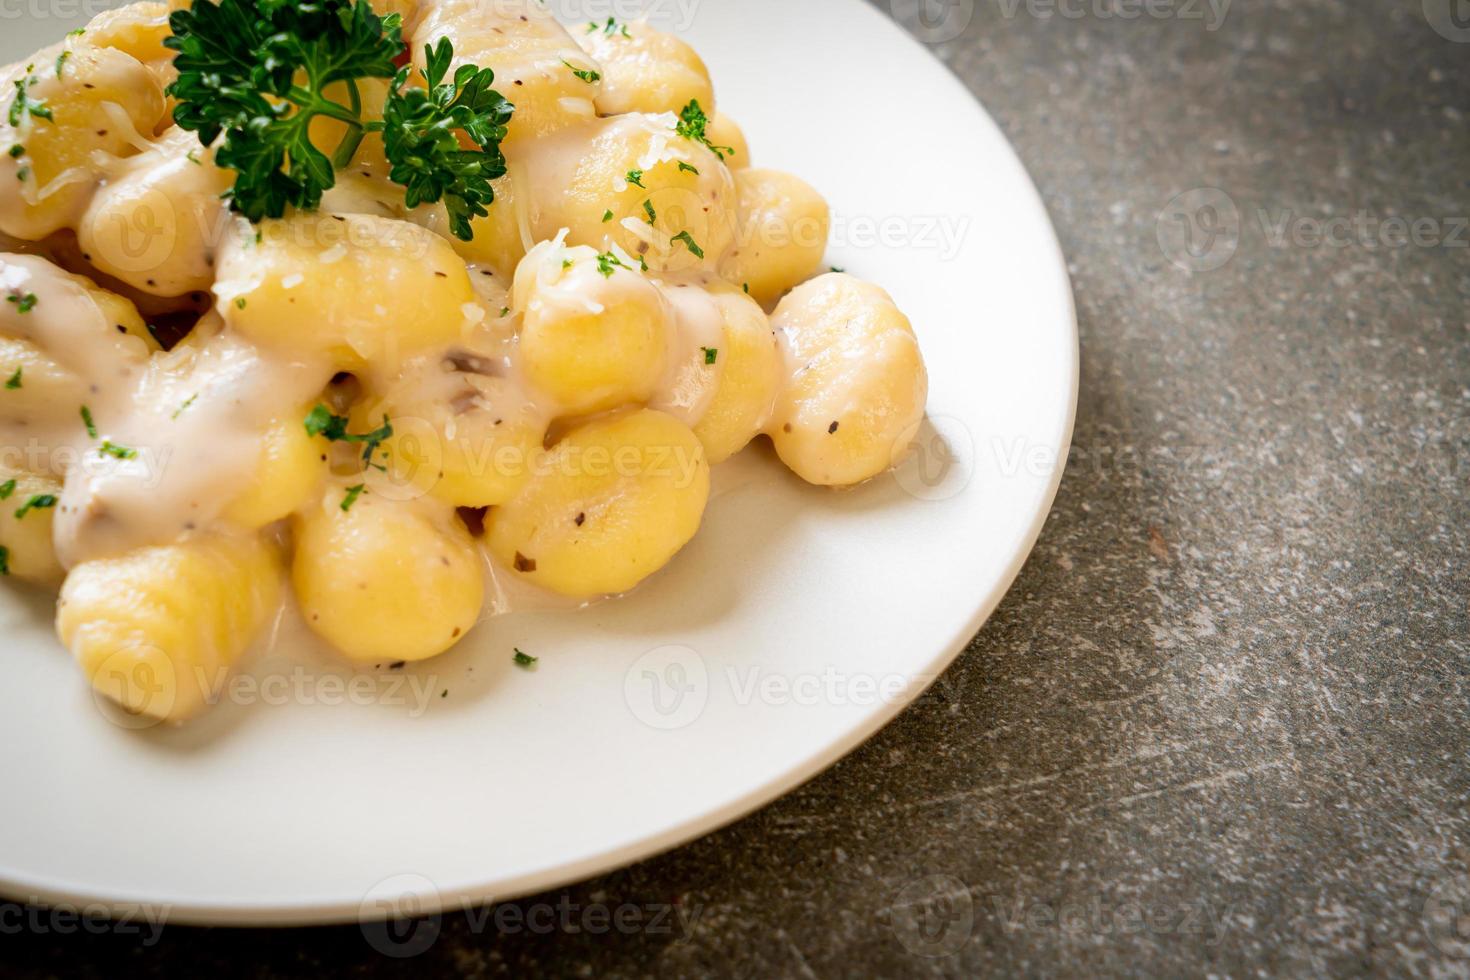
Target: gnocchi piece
[
  {"x": 463, "y": 430},
  {"x": 500, "y": 237},
  {"x": 857, "y": 381},
  {"x": 158, "y": 630},
  {"x": 138, "y": 29},
  {"x": 292, "y": 467},
  {"x": 385, "y": 581},
  {"x": 553, "y": 83},
  {"x": 356, "y": 288},
  {"x": 645, "y": 70},
  {"x": 158, "y": 226},
  {"x": 594, "y": 332},
  {"x": 40, "y": 382},
  {"x": 748, "y": 363},
  {"x": 632, "y": 182},
  {"x": 82, "y": 104},
  {"x": 611, "y": 504},
  {"x": 26, "y": 549},
  {"x": 730, "y": 138},
  {"x": 68, "y": 321},
  {"x": 784, "y": 225}
]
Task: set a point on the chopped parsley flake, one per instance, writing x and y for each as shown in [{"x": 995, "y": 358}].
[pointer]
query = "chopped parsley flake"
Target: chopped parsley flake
[
  {"x": 837, "y": 270},
  {"x": 352, "y": 494},
  {"x": 87, "y": 421},
  {"x": 689, "y": 243},
  {"x": 185, "y": 407},
  {"x": 110, "y": 448},
  {"x": 585, "y": 74},
  {"x": 17, "y": 151},
  {"x": 24, "y": 104},
  {"x": 711, "y": 354},
  {"x": 41, "y": 501},
  {"x": 14, "y": 381},
  {"x": 688, "y": 169},
  {"x": 693, "y": 124},
  {"x": 635, "y": 177},
  {"x": 525, "y": 659},
  {"x": 23, "y": 302},
  {"x": 4, "y": 560},
  {"x": 566, "y": 264},
  {"x": 607, "y": 215},
  {"x": 607, "y": 263},
  {"x": 648, "y": 210},
  {"x": 6, "y": 489},
  {"x": 321, "y": 422},
  {"x": 240, "y": 303},
  {"x": 60, "y": 61},
  {"x": 612, "y": 27},
  {"x": 504, "y": 312}
]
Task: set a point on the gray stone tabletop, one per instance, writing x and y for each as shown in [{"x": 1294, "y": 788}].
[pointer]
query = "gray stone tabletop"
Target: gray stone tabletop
[{"x": 1220, "y": 725}]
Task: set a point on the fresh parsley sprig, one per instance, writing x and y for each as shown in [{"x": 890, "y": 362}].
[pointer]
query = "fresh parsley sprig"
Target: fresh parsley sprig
[
  {"x": 257, "y": 72},
  {"x": 420, "y": 127}
]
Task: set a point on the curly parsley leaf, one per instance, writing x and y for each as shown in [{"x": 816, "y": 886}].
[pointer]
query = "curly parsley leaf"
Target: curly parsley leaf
[
  {"x": 693, "y": 125},
  {"x": 238, "y": 64},
  {"x": 420, "y": 128}
]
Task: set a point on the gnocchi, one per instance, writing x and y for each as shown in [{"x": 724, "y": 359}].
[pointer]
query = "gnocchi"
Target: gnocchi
[
  {"x": 378, "y": 350},
  {"x": 158, "y": 630}
]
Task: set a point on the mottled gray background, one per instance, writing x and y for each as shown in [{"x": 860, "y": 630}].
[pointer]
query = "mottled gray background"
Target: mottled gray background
[{"x": 1219, "y": 727}]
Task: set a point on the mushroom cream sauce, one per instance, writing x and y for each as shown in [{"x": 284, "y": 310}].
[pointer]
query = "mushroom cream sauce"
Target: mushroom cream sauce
[{"x": 530, "y": 414}]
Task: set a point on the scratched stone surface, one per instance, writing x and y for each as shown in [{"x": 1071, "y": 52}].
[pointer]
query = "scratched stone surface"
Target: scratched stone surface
[{"x": 1220, "y": 725}]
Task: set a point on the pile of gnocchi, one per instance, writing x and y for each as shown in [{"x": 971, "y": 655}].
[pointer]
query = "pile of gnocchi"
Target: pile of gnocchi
[{"x": 202, "y": 417}]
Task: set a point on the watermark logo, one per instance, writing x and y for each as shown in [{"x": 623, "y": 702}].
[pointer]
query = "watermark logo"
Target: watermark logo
[
  {"x": 400, "y": 916},
  {"x": 1449, "y": 18},
  {"x": 934, "y": 21},
  {"x": 64, "y": 919},
  {"x": 933, "y": 916},
  {"x": 667, "y": 688},
  {"x": 941, "y": 459},
  {"x": 136, "y": 688},
  {"x": 1199, "y": 230}
]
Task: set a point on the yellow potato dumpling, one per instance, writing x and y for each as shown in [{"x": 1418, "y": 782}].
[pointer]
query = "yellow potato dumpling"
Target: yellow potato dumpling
[
  {"x": 288, "y": 477},
  {"x": 139, "y": 30},
  {"x": 355, "y": 287},
  {"x": 610, "y": 505},
  {"x": 26, "y": 549},
  {"x": 41, "y": 383},
  {"x": 463, "y": 431},
  {"x": 633, "y": 182},
  {"x": 158, "y": 630},
  {"x": 858, "y": 384},
  {"x": 594, "y": 332},
  {"x": 497, "y": 240},
  {"x": 749, "y": 367},
  {"x": 536, "y": 62},
  {"x": 645, "y": 70},
  {"x": 724, "y": 133},
  {"x": 98, "y": 100},
  {"x": 158, "y": 226},
  {"x": 385, "y": 581},
  {"x": 783, "y": 231},
  {"x": 62, "y": 325}
]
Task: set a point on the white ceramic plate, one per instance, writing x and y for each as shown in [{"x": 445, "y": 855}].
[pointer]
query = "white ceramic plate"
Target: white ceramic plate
[{"x": 798, "y": 623}]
